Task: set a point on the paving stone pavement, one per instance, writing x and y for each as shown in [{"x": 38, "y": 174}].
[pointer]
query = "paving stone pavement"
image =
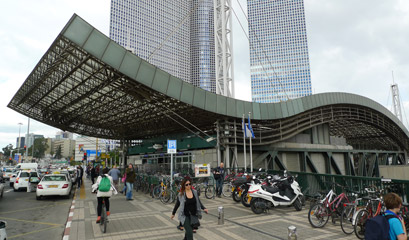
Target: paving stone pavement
[{"x": 147, "y": 218}]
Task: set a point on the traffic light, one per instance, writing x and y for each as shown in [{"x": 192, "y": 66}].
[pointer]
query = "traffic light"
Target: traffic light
[
  {"x": 85, "y": 156},
  {"x": 25, "y": 147}
]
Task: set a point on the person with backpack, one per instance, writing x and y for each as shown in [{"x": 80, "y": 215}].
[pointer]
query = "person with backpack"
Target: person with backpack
[
  {"x": 397, "y": 229},
  {"x": 104, "y": 189},
  {"x": 389, "y": 225}
]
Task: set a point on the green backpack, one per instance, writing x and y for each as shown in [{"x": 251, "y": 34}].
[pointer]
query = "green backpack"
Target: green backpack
[{"x": 104, "y": 185}]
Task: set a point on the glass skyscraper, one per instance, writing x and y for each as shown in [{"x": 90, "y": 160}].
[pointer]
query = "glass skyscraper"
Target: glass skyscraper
[
  {"x": 279, "y": 62},
  {"x": 174, "y": 35}
]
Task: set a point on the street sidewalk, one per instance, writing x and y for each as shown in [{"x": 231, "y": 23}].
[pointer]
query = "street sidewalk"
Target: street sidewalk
[{"x": 148, "y": 218}]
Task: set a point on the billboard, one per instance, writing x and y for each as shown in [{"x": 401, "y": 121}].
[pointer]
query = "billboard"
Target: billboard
[{"x": 202, "y": 170}]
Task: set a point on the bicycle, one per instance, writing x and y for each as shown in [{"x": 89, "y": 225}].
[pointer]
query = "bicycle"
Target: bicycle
[
  {"x": 348, "y": 216},
  {"x": 364, "y": 214},
  {"x": 329, "y": 206},
  {"x": 104, "y": 218}
]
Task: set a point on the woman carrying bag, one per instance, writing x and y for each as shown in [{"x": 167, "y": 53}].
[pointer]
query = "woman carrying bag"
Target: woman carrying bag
[{"x": 190, "y": 208}]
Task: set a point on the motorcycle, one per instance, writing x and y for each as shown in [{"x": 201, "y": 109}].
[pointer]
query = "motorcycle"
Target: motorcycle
[{"x": 281, "y": 192}]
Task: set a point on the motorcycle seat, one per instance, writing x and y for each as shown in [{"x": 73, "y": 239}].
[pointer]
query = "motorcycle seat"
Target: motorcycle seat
[{"x": 270, "y": 189}]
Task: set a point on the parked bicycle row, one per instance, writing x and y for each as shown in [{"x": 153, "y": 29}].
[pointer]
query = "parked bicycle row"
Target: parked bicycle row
[{"x": 364, "y": 214}]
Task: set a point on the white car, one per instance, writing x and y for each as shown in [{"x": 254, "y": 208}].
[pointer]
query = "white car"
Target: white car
[
  {"x": 1, "y": 191},
  {"x": 54, "y": 185},
  {"x": 22, "y": 179},
  {"x": 3, "y": 234},
  {"x": 66, "y": 172},
  {"x": 7, "y": 173}
]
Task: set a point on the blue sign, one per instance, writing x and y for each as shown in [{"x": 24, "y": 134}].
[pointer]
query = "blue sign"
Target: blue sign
[{"x": 171, "y": 146}]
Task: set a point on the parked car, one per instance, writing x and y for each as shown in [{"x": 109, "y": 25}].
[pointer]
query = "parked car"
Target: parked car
[
  {"x": 3, "y": 234},
  {"x": 1, "y": 190},
  {"x": 22, "y": 179},
  {"x": 13, "y": 178},
  {"x": 66, "y": 172},
  {"x": 54, "y": 185},
  {"x": 8, "y": 172},
  {"x": 73, "y": 175}
]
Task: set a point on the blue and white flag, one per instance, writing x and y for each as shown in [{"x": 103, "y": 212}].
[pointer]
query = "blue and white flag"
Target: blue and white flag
[{"x": 249, "y": 130}]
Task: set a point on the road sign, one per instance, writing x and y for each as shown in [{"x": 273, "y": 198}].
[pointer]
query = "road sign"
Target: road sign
[{"x": 171, "y": 146}]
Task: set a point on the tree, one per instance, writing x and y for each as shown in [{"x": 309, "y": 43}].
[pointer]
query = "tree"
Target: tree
[
  {"x": 58, "y": 154},
  {"x": 7, "y": 150},
  {"x": 40, "y": 146}
]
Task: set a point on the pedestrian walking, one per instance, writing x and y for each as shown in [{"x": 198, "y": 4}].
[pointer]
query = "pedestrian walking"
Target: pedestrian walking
[
  {"x": 130, "y": 178},
  {"x": 219, "y": 177},
  {"x": 115, "y": 174},
  {"x": 190, "y": 208},
  {"x": 80, "y": 174},
  {"x": 93, "y": 175},
  {"x": 88, "y": 171}
]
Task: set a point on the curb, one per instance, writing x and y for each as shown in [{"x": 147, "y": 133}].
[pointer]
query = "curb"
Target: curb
[{"x": 70, "y": 217}]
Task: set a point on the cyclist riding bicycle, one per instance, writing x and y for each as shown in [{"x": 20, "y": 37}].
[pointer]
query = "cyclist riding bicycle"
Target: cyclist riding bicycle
[{"x": 103, "y": 192}]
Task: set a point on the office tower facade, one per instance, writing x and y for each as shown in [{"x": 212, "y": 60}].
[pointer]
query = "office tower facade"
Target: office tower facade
[
  {"x": 202, "y": 45},
  {"x": 174, "y": 35},
  {"x": 279, "y": 62}
]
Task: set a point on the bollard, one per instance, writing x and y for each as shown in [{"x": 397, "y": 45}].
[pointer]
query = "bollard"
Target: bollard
[
  {"x": 221, "y": 215},
  {"x": 292, "y": 233}
]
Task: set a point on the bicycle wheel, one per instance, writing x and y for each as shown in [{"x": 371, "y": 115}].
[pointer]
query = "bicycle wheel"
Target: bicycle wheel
[
  {"x": 166, "y": 196},
  {"x": 209, "y": 192},
  {"x": 102, "y": 223},
  {"x": 360, "y": 222},
  {"x": 156, "y": 191},
  {"x": 347, "y": 224},
  {"x": 318, "y": 215},
  {"x": 227, "y": 189}
]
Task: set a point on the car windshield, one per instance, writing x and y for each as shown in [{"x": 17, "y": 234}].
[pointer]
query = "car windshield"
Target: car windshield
[
  {"x": 9, "y": 170},
  {"x": 24, "y": 174},
  {"x": 54, "y": 178},
  {"x": 34, "y": 174}
]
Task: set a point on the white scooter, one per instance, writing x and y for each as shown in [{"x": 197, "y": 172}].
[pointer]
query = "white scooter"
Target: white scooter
[{"x": 283, "y": 192}]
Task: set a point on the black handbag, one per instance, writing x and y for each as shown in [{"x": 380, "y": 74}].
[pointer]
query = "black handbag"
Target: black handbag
[{"x": 194, "y": 221}]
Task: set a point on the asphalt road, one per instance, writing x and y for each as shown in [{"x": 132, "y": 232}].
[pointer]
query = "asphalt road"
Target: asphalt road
[{"x": 28, "y": 218}]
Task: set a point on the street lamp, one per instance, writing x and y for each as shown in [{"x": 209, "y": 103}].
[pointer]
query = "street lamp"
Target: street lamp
[{"x": 19, "y": 138}]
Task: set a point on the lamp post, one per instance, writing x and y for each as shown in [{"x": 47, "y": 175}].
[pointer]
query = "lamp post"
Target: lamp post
[
  {"x": 26, "y": 141},
  {"x": 19, "y": 138}
]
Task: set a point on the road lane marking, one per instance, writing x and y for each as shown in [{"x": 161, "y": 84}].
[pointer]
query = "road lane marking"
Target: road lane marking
[
  {"x": 25, "y": 209},
  {"x": 83, "y": 195},
  {"x": 8, "y": 190},
  {"x": 19, "y": 235},
  {"x": 35, "y": 222}
]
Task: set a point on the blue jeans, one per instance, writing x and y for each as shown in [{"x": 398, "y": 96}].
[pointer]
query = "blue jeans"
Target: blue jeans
[
  {"x": 219, "y": 186},
  {"x": 129, "y": 187}
]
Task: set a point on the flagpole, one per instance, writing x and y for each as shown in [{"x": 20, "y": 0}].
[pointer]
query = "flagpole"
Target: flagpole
[
  {"x": 251, "y": 150},
  {"x": 244, "y": 143}
]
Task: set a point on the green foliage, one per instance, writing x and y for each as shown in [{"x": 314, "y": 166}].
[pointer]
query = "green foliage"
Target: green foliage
[
  {"x": 7, "y": 150},
  {"x": 40, "y": 146}
]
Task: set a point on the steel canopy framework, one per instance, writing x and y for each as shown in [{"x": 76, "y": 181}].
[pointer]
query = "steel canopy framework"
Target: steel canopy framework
[{"x": 87, "y": 84}]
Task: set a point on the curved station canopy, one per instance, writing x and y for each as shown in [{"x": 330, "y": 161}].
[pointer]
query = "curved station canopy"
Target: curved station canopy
[{"x": 88, "y": 84}]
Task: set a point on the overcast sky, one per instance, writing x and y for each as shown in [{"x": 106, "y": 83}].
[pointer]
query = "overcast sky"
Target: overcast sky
[{"x": 353, "y": 46}]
